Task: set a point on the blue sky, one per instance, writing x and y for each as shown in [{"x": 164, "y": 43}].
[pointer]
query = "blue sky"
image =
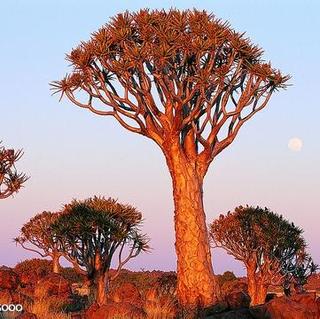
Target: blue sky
[{"x": 70, "y": 153}]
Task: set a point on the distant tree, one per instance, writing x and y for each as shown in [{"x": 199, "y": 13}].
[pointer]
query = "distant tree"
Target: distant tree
[
  {"x": 263, "y": 241},
  {"x": 37, "y": 236},
  {"x": 226, "y": 276},
  {"x": 189, "y": 82},
  {"x": 296, "y": 270},
  {"x": 92, "y": 231},
  {"x": 10, "y": 180}
]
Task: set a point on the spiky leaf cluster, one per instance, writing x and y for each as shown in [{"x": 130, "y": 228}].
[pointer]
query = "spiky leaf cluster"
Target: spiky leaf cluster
[
  {"x": 10, "y": 180},
  {"x": 299, "y": 268}
]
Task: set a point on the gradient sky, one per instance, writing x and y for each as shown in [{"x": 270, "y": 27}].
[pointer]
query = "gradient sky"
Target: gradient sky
[{"x": 71, "y": 153}]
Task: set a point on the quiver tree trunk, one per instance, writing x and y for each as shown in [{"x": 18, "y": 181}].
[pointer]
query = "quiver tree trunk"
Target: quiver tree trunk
[
  {"x": 101, "y": 292},
  {"x": 56, "y": 263},
  {"x": 252, "y": 286},
  {"x": 257, "y": 289},
  {"x": 100, "y": 278},
  {"x": 196, "y": 282},
  {"x": 262, "y": 290},
  {"x": 257, "y": 292}
]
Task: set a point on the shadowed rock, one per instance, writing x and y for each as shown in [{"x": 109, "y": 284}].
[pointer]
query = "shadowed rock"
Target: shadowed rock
[
  {"x": 113, "y": 309},
  {"x": 302, "y": 306}
]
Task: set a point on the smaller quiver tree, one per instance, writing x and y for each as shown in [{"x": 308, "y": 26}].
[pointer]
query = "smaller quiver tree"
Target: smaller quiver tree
[
  {"x": 10, "y": 180},
  {"x": 37, "y": 236},
  {"x": 92, "y": 231},
  {"x": 297, "y": 270},
  {"x": 262, "y": 240}
]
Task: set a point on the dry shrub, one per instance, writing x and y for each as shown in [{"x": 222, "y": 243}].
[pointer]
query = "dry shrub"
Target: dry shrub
[
  {"x": 35, "y": 267},
  {"x": 43, "y": 309},
  {"x": 160, "y": 306}
]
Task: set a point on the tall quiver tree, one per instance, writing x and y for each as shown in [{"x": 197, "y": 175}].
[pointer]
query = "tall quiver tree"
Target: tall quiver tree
[
  {"x": 10, "y": 180},
  {"x": 187, "y": 81},
  {"x": 37, "y": 236}
]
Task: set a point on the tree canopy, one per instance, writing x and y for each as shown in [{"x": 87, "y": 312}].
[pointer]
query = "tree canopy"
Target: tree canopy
[
  {"x": 91, "y": 231},
  {"x": 97, "y": 228},
  {"x": 257, "y": 233},
  {"x": 183, "y": 72},
  {"x": 10, "y": 180}
]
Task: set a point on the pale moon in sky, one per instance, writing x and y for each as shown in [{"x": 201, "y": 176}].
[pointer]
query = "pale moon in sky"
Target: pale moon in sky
[{"x": 295, "y": 144}]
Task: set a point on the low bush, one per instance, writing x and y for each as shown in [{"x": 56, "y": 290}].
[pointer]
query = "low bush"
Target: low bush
[{"x": 40, "y": 267}]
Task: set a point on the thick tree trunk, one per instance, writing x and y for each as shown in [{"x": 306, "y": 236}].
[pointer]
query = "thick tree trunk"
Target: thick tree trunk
[
  {"x": 101, "y": 295},
  {"x": 100, "y": 279},
  {"x": 261, "y": 293},
  {"x": 56, "y": 263},
  {"x": 252, "y": 285},
  {"x": 196, "y": 282},
  {"x": 257, "y": 290}
]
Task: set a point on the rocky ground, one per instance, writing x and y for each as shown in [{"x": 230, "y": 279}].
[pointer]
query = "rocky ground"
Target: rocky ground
[{"x": 148, "y": 295}]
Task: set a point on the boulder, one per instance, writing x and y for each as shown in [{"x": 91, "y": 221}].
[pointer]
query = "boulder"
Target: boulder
[
  {"x": 217, "y": 308},
  {"x": 237, "y": 300},
  {"x": 234, "y": 314},
  {"x": 297, "y": 307},
  {"x": 127, "y": 293},
  {"x": 52, "y": 285},
  {"x": 271, "y": 296},
  {"x": 306, "y": 299},
  {"x": 113, "y": 310},
  {"x": 8, "y": 279}
]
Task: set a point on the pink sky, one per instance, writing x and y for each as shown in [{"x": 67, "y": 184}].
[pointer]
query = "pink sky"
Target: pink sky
[{"x": 70, "y": 153}]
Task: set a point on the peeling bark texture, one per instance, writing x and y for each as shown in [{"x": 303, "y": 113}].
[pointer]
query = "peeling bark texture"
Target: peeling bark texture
[{"x": 196, "y": 282}]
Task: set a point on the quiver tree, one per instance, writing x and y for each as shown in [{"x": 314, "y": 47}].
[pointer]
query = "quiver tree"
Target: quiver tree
[
  {"x": 37, "y": 236},
  {"x": 10, "y": 180},
  {"x": 187, "y": 81},
  {"x": 263, "y": 241},
  {"x": 92, "y": 231},
  {"x": 297, "y": 270}
]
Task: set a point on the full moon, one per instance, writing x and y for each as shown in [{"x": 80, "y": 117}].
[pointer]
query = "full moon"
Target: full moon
[{"x": 295, "y": 144}]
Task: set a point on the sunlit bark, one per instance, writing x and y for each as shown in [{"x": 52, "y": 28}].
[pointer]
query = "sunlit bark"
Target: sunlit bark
[{"x": 196, "y": 283}]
